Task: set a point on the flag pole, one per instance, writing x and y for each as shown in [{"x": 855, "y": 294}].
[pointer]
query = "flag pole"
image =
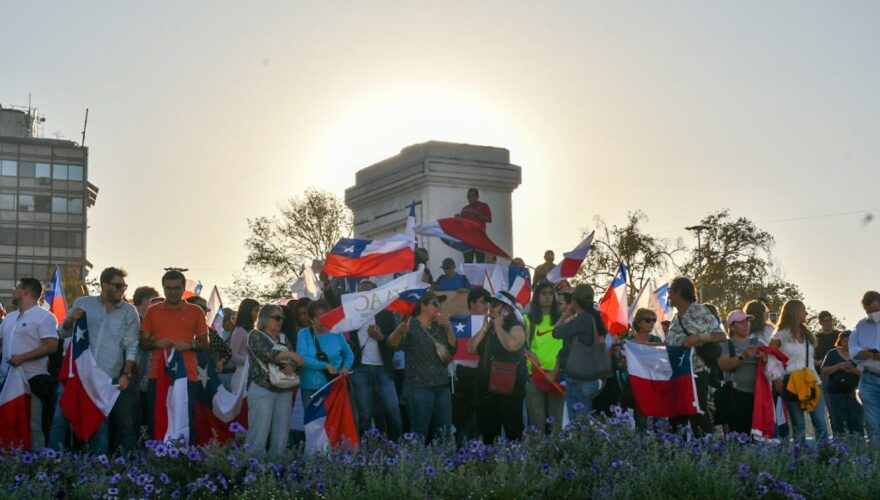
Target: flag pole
[{"x": 545, "y": 374}]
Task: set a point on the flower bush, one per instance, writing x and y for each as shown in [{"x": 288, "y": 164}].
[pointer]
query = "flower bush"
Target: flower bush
[{"x": 601, "y": 458}]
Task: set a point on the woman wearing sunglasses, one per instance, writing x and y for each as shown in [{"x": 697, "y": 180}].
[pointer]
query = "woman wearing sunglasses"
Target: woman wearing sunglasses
[
  {"x": 326, "y": 353},
  {"x": 642, "y": 332},
  {"x": 269, "y": 406}
]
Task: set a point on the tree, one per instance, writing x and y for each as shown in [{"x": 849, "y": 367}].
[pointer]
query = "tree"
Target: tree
[
  {"x": 646, "y": 256},
  {"x": 279, "y": 246},
  {"x": 734, "y": 264}
]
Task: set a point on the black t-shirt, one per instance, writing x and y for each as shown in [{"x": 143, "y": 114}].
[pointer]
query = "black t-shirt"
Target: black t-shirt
[
  {"x": 824, "y": 344},
  {"x": 840, "y": 381},
  {"x": 490, "y": 348}
]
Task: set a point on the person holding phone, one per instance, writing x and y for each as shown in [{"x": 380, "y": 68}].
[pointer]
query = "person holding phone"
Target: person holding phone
[
  {"x": 502, "y": 369},
  {"x": 326, "y": 354}
]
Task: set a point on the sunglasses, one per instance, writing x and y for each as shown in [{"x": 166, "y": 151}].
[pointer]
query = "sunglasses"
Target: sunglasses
[
  {"x": 433, "y": 303},
  {"x": 277, "y": 318},
  {"x": 118, "y": 286},
  {"x": 650, "y": 320}
]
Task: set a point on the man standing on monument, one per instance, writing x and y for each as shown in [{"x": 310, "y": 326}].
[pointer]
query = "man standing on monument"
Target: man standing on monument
[{"x": 479, "y": 212}]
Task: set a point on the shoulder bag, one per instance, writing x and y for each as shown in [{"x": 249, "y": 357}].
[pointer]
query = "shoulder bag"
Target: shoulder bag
[
  {"x": 588, "y": 361},
  {"x": 277, "y": 377},
  {"x": 502, "y": 374}
]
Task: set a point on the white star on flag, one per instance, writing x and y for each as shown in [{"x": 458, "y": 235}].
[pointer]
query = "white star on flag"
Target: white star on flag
[
  {"x": 459, "y": 327},
  {"x": 203, "y": 376},
  {"x": 348, "y": 249}
]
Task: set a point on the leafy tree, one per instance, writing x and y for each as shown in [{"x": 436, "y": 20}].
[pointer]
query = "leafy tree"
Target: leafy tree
[
  {"x": 305, "y": 229},
  {"x": 646, "y": 256},
  {"x": 734, "y": 264}
]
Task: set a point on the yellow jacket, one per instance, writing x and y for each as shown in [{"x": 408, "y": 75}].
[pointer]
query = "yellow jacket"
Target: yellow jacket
[{"x": 805, "y": 385}]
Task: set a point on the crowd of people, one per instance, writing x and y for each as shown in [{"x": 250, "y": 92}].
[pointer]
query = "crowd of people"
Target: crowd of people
[{"x": 410, "y": 373}]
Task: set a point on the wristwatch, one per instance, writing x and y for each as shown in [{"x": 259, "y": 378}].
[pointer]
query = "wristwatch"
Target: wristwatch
[{"x": 741, "y": 358}]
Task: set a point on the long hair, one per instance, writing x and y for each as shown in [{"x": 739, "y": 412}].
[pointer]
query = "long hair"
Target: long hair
[
  {"x": 757, "y": 309},
  {"x": 245, "y": 317},
  {"x": 788, "y": 319},
  {"x": 535, "y": 314}
]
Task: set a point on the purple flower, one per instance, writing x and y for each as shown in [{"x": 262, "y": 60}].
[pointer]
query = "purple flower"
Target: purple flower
[
  {"x": 391, "y": 461},
  {"x": 320, "y": 487},
  {"x": 193, "y": 454},
  {"x": 569, "y": 475},
  {"x": 578, "y": 406},
  {"x": 113, "y": 491},
  {"x": 550, "y": 420},
  {"x": 173, "y": 452},
  {"x": 27, "y": 458},
  {"x": 430, "y": 472},
  {"x": 833, "y": 461},
  {"x": 164, "y": 479},
  {"x": 762, "y": 490},
  {"x": 120, "y": 460},
  {"x": 211, "y": 486},
  {"x": 237, "y": 428},
  {"x": 232, "y": 460},
  {"x": 114, "y": 478},
  {"x": 250, "y": 478},
  {"x": 409, "y": 436},
  {"x": 20, "y": 477},
  {"x": 253, "y": 462},
  {"x": 149, "y": 488}
]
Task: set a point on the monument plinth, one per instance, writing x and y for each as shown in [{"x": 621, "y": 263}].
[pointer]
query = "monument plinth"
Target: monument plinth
[{"x": 436, "y": 175}]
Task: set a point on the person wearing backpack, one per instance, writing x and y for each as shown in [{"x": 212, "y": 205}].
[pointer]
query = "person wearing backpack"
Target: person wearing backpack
[
  {"x": 587, "y": 365},
  {"x": 696, "y": 327}
]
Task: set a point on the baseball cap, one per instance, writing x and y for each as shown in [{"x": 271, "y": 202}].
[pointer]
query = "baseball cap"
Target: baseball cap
[
  {"x": 448, "y": 263},
  {"x": 737, "y": 316}
]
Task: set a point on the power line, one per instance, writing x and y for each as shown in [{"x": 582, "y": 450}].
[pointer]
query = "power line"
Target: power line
[{"x": 868, "y": 212}]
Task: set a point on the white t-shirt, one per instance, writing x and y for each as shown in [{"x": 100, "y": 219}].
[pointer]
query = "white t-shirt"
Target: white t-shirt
[
  {"x": 768, "y": 334},
  {"x": 369, "y": 346},
  {"x": 23, "y": 332},
  {"x": 796, "y": 352}
]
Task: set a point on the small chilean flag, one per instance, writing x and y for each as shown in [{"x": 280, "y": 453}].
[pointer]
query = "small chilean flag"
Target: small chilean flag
[
  {"x": 55, "y": 297},
  {"x": 89, "y": 393},
  {"x": 15, "y": 410},
  {"x": 660, "y": 299},
  {"x": 572, "y": 261},
  {"x": 613, "y": 305},
  {"x": 406, "y": 303},
  {"x": 520, "y": 284},
  {"x": 355, "y": 258},
  {"x": 461, "y": 234},
  {"x": 465, "y": 327},
  {"x": 329, "y": 421}
]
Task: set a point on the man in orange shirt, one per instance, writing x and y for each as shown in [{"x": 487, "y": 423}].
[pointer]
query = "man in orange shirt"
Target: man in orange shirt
[{"x": 173, "y": 324}]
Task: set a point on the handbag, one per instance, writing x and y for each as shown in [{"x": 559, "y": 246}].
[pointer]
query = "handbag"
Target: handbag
[
  {"x": 502, "y": 374},
  {"x": 277, "y": 377},
  {"x": 588, "y": 361},
  {"x": 442, "y": 351}
]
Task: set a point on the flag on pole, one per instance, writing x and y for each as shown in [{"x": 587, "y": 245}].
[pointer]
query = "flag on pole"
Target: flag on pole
[
  {"x": 520, "y": 284},
  {"x": 461, "y": 234},
  {"x": 644, "y": 299},
  {"x": 193, "y": 288},
  {"x": 54, "y": 297},
  {"x": 89, "y": 392},
  {"x": 572, "y": 261},
  {"x": 359, "y": 308},
  {"x": 215, "y": 407},
  {"x": 215, "y": 312},
  {"x": 406, "y": 303},
  {"x": 171, "y": 417},
  {"x": 496, "y": 281},
  {"x": 328, "y": 419},
  {"x": 465, "y": 327},
  {"x": 662, "y": 380},
  {"x": 613, "y": 304},
  {"x": 662, "y": 304},
  {"x": 357, "y": 258},
  {"x": 15, "y": 410}
]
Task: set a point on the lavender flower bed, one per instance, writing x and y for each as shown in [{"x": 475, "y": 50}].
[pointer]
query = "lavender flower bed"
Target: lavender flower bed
[{"x": 599, "y": 458}]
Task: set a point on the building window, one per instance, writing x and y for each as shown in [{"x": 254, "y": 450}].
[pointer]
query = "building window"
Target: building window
[
  {"x": 43, "y": 203},
  {"x": 75, "y": 173},
  {"x": 7, "y": 271},
  {"x": 8, "y": 168},
  {"x": 43, "y": 172},
  {"x": 60, "y": 172},
  {"x": 59, "y": 205},
  {"x": 25, "y": 237},
  {"x": 75, "y": 206},
  {"x": 26, "y": 203},
  {"x": 7, "y": 201},
  {"x": 7, "y": 235}
]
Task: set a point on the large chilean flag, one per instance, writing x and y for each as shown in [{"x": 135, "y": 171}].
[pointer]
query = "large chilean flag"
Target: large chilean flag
[
  {"x": 355, "y": 258},
  {"x": 613, "y": 305},
  {"x": 171, "y": 416},
  {"x": 359, "y": 308},
  {"x": 572, "y": 261},
  {"x": 15, "y": 410},
  {"x": 55, "y": 297},
  {"x": 89, "y": 393},
  {"x": 461, "y": 234},
  {"x": 662, "y": 380},
  {"x": 215, "y": 407}
]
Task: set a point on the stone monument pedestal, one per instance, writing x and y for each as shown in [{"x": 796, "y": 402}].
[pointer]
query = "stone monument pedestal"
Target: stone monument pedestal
[{"x": 437, "y": 176}]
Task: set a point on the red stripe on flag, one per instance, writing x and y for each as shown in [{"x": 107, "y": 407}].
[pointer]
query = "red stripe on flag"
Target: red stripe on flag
[
  {"x": 85, "y": 418},
  {"x": 569, "y": 267},
  {"x": 664, "y": 398},
  {"x": 376, "y": 264},
  {"x": 339, "y": 424},
  {"x": 332, "y": 317},
  {"x": 471, "y": 233},
  {"x": 15, "y": 423}
]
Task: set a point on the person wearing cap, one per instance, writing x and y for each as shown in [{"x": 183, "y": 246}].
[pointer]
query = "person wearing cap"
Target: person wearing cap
[
  {"x": 451, "y": 281},
  {"x": 427, "y": 390},
  {"x": 580, "y": 322},
  {"x": 842, "y": 376},
  {"x": 739, "y": 361}
]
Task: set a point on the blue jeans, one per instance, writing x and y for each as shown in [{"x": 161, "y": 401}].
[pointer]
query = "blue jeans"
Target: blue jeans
[
  {"x": 583, "y": 392},
  {"x": 869, "y": 394},
  {"x": 370, "y": 381},
  {"x": 817, "y": 416},
  {"x": 846, "y": 414},
  {"x": 430, "y": 410},
  {"x": 268, "y": 419}
]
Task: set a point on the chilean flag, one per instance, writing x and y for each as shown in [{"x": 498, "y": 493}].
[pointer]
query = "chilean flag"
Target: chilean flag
[
  {"x": 171, "y": 417},
  {"x": 354, "y": 258},
  {"x": 764, "y": 412},
  {"x": 660, "y": 299},
  {"x": 329, "y": 422},
  {"x": 15, "y": 410},
  {"x": 662, "y": 380},
  {"x": 215, "y": 407},
  {"x": 55, "y": 297},
  {"x": 613, "y": 305},
  {"x": 572, "y": 261},
  {"x": 406, "y": 303},
  {"x": 193, "y": 288},
  {"x": 461, "y": 234},
  {"x": 89, "y": 393},
  {"x": 520, "y": 284},
  {"x": 359, "y": 308},
  {"x": 465, "y": 327}
]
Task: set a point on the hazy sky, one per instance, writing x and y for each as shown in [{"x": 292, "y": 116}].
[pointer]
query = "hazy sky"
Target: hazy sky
[{"x": 203, "y": 114}]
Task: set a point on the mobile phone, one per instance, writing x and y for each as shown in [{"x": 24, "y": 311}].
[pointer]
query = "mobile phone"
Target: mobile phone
[
  {"x": 773, "y": 317},
  {"x": 505, "y": 313}
]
